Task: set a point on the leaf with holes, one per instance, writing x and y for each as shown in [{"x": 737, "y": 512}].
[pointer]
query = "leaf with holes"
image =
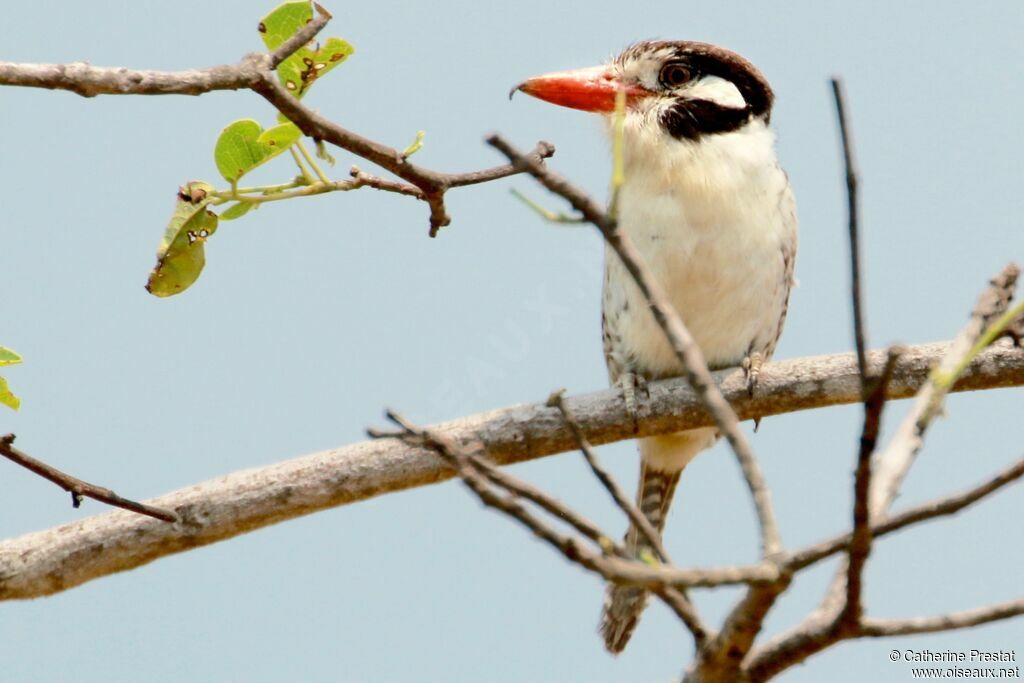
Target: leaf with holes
[
  {"x": 244, "y": 145},
  {"x": 308, "y": 63},
  {"x": 181, "y": 255}
]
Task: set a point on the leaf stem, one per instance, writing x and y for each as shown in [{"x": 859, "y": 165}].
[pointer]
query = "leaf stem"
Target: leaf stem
[
  {"x": 302, "y": 167},
  {"x": 236, "y": 193},
  {"x": 545, "y": 213},
  {"x": 309, "y": 160}
]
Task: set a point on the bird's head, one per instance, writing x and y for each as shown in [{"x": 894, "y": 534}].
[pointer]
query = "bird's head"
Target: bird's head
[{"x": 687, "y": 89}]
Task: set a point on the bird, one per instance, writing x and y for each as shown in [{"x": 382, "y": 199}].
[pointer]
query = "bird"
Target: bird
[{"x": 711, "y": 211}]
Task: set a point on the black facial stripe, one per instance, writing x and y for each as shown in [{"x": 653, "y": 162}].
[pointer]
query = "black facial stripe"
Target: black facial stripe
[
  {"x": 733, "y": 68},
  {"x": 690, "y": 119}
]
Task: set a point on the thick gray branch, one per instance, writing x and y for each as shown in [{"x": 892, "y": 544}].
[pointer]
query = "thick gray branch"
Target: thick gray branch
[
  {"x": 53, "y": 560},
  {"x": 88, "y": 80}
]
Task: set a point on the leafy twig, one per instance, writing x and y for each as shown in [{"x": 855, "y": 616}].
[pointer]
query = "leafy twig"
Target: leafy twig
[{"x": 256, "y": 72}]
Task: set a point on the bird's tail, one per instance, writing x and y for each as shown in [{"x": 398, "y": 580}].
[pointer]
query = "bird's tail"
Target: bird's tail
[{"x": 662, "y": 461}]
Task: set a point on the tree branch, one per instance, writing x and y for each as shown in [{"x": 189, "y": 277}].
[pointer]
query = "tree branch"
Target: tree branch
[
  {"x": 894, "y": 462},
  {"x": 478, "y": 474},
  {"x": 631, "y": 511},
  {"x": 883, "y": 628},
  {"x": 256, "y": 72},
  {"x": 837, "y": 618},
  {"x": 78, "y": 488},
  {"x": 676, "y": 598},
  {"x": 40, "y": 563},
  {"x": 850, "y": 165},
  {"x": 940, "y": 507},
  {"x": 861, "y": 536}
]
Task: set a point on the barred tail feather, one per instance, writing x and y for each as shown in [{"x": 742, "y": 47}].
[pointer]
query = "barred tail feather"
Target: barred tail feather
[
  {"x": 662, "y": 461},
  {"x": 623, "y": 604}
]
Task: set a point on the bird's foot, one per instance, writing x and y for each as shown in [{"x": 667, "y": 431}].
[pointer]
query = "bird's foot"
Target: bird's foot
[
  {"x": 752, "y": 368},
  {"x": 630, "y": 384},
  {"x": 1015, "y": 331}
]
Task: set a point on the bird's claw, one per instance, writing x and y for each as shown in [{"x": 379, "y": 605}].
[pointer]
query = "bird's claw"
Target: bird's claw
[
  {"x": 1015, "y": 332},
  {"x": 752, "y": 369},
  {"x": 630, "y": 384}
]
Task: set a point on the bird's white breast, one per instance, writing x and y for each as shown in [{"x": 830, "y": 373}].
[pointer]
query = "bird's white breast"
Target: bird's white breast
[{"x": 713, "y": 219}]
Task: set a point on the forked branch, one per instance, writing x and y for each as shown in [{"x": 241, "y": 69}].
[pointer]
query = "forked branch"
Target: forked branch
[{"x": 255, "y": 72}]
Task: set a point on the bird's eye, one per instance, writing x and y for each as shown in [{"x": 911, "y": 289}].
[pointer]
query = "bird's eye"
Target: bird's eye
[{"x": 674, "y": 74}]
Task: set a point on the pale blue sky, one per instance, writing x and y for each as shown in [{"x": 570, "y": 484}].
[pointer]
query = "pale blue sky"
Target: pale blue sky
[{"x": 313, "y": 316}]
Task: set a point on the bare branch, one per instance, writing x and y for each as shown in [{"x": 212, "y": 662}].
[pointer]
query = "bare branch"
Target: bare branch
[
  {"x": 846, "y": 136},
  {"x": 722, "y": 658},
  {"x": 676, "y": 598},
  {"x": 476, "y": 473},
  {"x": 837, "y": 618},
  {"x": 365, "y": 179},
  {"x": 940, "y": 507},
  {"x": 893, "y": 463},
  {"x": 770, "y": 663},
  {"x": 861, "y": 536},
  {"x": 621, "y": 500},
  {"x": 874, "y": 396},
  {"x": 883, "y": 628},
  {"x": 76, "y": 487},
  {"x": 53, "y": 560},
  {"x": 88, "y": 81},
  {"x": 680, "y": 339}
]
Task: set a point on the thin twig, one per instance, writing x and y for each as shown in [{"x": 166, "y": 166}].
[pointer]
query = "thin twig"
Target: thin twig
[
  {"x": 939, "y": 507},
  {"x": 893, "y": 463},
  {"x": 78, "y": 488},
  {"x": 476, "y": 472},
  {"x": 834, "y": 620},
  {"x": 675, "y": 598},
  {"x": 519, "y": 488},
  {"x": 850, "y": 165},
  {"x": 861, "y": 536},
  {"x": 621, "y": 500},
  {"x": 256, "y": 72},
  {"x": 300, "y": 37},
  {"x": 680, "y": 339},
  {"x": 883, "y": 628},
  {"x": 872, "y": 390},
  {"x": 677, "y": 601},
  {"x": 365, "y": 179}
]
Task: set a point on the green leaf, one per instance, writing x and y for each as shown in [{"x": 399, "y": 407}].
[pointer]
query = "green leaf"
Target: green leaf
[
  {"x": 236, "y": 211},
  {"x": 308, "y": 63},
  {"x": 7, "y": 398},
  {"x": 181, "y": 256},
  {"x": 416, "y": 145},
  {"x": 244, "y": 145},
  {"x": 8, "y": 357}
]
